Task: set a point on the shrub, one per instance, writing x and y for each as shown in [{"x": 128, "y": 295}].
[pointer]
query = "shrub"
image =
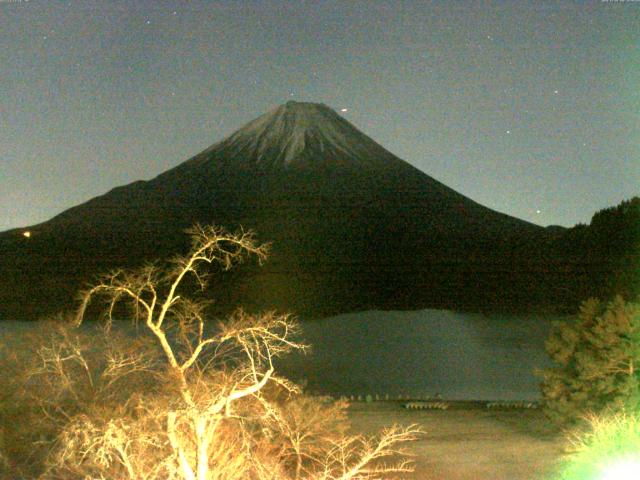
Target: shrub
[
  {"x": 597, "y": 359},
  {"x": 55, "y": 373},
  {"x": 607, "y": 449}
]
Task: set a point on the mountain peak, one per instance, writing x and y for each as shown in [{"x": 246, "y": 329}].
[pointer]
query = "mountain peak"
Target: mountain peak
[
  {"x": 299, "y": 116},
  {"x": 303, "y": 106},
  {"x": 297, "y": 132}
]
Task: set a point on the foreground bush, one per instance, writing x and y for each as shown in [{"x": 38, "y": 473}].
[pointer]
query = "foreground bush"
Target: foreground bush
[
  {"x": 56, "y": 372},
  {"x": 607, "y": 449},
  {"x": 597, "y": 360},
  {"x": 185, "y": 401}
]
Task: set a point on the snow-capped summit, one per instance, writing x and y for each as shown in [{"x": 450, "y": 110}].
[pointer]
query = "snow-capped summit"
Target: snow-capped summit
[{"x": 296, "y": 133}]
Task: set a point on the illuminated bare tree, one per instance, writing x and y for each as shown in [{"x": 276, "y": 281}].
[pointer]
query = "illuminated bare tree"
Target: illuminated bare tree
[{"x": 217, "y": 410}]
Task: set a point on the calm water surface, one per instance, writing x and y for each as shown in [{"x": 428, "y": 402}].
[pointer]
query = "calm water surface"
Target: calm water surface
[
  {"x": 424, "y": 353},
  {"x": 421, "y": 353}
]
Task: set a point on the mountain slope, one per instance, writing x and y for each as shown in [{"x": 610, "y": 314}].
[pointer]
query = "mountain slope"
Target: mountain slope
[{"x": 352, "y": 227}]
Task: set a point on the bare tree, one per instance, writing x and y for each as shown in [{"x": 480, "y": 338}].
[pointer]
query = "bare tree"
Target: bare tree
[{"x": 216, "y": 409}]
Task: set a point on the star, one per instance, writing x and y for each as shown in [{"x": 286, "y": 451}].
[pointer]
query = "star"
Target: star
[
  {"x": 508, "y": 132},
  {"x": 148, "y": 22},
  {"x": 344, "y": 109},
  {"x": 556, "y": 92},
  {"x": 538, "y": 211}
]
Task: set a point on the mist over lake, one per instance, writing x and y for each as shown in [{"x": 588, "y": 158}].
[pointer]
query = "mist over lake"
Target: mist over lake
[{"x": 460, "y": 356}]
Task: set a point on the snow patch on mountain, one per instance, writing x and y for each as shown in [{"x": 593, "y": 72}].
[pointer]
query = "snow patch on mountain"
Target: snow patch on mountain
[{"x": 293, "y": 128}]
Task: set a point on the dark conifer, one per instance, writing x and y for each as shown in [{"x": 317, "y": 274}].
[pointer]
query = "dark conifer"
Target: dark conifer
[{"x": 597, "y": 359}]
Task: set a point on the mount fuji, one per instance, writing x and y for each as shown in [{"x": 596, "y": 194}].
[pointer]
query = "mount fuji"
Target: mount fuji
[{"x": 352, "y": 227}]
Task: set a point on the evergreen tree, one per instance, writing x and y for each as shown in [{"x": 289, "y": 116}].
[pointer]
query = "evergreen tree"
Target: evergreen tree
[{"x": 597, "y": 359}]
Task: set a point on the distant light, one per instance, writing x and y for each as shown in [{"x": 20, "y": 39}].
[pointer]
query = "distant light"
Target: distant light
[
  {"x": 27, "y": 234},
  {"x": 538, "y": 211},
  {"x": 344, "y": 110},
  {"x": 622, "y": 470}
]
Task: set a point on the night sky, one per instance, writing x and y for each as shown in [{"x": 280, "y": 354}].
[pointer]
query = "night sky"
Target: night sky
[{"x": 530, "y": 108}]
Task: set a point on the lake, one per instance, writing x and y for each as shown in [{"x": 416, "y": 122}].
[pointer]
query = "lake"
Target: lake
[{"x": 460, "y": 356}]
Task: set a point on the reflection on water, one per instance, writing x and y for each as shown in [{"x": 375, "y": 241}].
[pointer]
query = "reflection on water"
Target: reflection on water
[{"x": 424, "y": 353}]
